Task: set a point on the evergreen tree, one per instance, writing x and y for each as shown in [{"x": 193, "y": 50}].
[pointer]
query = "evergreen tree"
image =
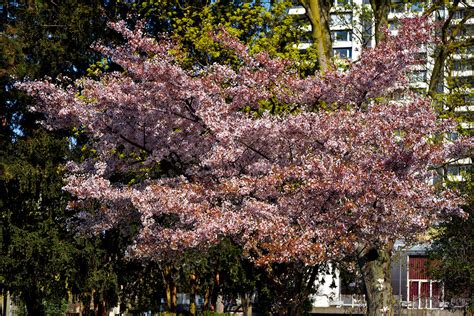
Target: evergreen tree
[
  {"x": 39, "y": 250},
  {"x": 36, "y": 258}
]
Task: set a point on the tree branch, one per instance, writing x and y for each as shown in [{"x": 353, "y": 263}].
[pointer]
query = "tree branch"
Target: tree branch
[
  {"x": 131, "y": 142},
  {"x": 255, "y": 151}
]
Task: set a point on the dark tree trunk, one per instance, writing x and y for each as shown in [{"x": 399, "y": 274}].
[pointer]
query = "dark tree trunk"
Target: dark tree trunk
[
  {"x": 33, "y": 303},
  {"x": 170, "y": 289},
  {"x": 215, "y": 292},
  {"x": 295, "y": 310},
  {"x": 437, "y": 74},
  {"x": 171, "y": 294},
  {"x": 374, "y": 264},
  {"x": 192, "y": 296},
  {"x": 102, "y": 309},
  {"x": 206, "y": 299},
  {"x": 4, "y": 310}
]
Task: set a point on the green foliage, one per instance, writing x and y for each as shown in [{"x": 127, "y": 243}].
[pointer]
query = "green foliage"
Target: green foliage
[
  {"x": 55, "y": 307},
  {"x": 39, "y": 250},
  {"x": 259, "y": 24},
  {"x": 48, "y": 39},
  {"x": 35, "y": 262},
  {"x": 237, "y": 275},
  {"x": 286, "y": 288},
  {"x": 453, "y": 250},
  {"x": 453, "y": 241}
]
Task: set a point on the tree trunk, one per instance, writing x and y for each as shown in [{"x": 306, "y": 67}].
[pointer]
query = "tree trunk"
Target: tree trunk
[
  {"x": 170, "y": 289},
  {"x": 171, "y": 297},
  {"x": 4, "y": 296},
  {"x": 437, "y": 74},
  {"x": 215, "y": 292},
  {"x": 380, "y": 9},
  {"x": 318, "y": 12},
  {"x": 206, "y": 299},
  {"x": 246, "y": 304},
  {"x": 295, "y": 310},
  {"x": 174, "y": 294},
  {"x": 33, "y": 303},
  {"x": 374, "y": 264},
  {"x": 82, "y": 309},
  {"x": 102, "y": 308},
  {"x": 296, "y": 299},
  {"x": 192, "y": 296}
]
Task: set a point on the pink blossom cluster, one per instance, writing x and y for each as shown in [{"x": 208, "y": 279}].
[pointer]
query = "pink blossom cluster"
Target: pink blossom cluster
[{"x": 343, "y": 166}]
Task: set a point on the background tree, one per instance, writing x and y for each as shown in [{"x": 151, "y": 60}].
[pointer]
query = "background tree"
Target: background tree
[
  {"x": 451, "y": 249},
  {"x": 36, "y": 262},
  {"x": 263, "y": 25},
  {"x": 39, "y": 250},
  {"x": 452, "y": 41},
  {"x": 452, "y": 94}
]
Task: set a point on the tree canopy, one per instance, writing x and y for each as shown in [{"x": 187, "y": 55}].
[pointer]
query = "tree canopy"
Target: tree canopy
[{"x": 286, "y": 184}]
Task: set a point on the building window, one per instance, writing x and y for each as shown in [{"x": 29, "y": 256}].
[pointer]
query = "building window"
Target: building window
[
  {"x": 397, "y": 7},
  {"x": 417, "y": 7},
  {"x": 464, "y": 82},
  {"x": 458, "y": 14},
  {"x": 458, "y": 170},
  {"x": 367, "y": 33},
  {"x": 423, "y": 292},
  {"x": 341, "y": 19},
  {"x": 344, "y": 53},
  {"x": 461, "y": 65},
  {"x": 465, "y": 50},
  {"x": 466, "y": 31},
  {"x": 418, "y": 76},
  {"x": 341, "y": 36},
  {"x": 453, "y": 136},
  {"x": 421, "y": 58},
  {"x": 341, "y": 3},
  {"x": 468, "y": 99}
]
